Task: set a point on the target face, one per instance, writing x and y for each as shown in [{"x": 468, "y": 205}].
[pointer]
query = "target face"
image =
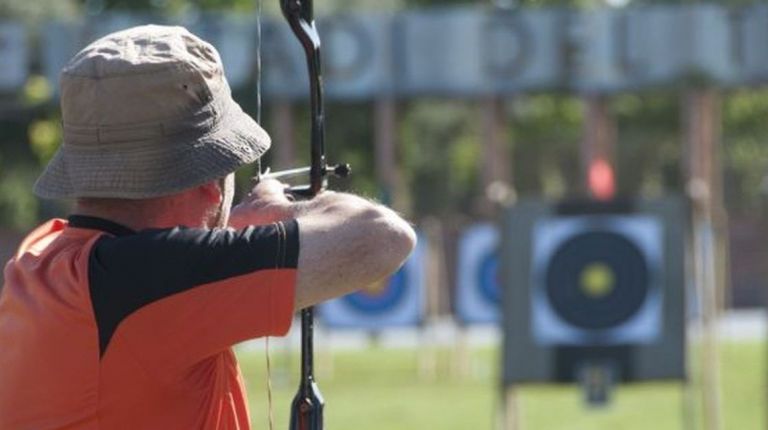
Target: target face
[
  {"x": 478, "y": 294},
  {"x": 488, "y": 274},
  {"x": 596, "y": 279},
  {"x": 394, "y": 302}
]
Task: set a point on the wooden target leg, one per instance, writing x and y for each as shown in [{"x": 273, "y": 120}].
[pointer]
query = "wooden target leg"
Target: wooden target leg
[
  {"x": 510, "y": 413},
  {"x": 326, "y": 365},
  {"x": 427, "y": 353},
  {"x": 461, "y": 359}
]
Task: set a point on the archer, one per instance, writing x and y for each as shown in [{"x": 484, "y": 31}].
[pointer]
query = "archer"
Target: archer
[{"x": 124, "y": 315}]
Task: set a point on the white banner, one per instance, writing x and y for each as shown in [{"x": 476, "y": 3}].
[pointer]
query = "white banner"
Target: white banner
[
  {"x": 468, "y": 51},
  {"x": 14, "y": 56}
]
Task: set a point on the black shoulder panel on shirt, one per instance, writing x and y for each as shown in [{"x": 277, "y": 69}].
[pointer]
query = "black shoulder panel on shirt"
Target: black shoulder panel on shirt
[{"x": 128, "y": 270}]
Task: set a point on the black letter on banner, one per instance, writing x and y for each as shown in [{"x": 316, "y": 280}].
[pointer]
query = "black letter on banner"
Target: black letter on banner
[
  {"x": 569, "y": 47},
  {"x": 736, "y": 37},
  {"x": 629, "y": 67},
  {"x": 505, "y": 46},
  {"x": 349, "y": 49}
]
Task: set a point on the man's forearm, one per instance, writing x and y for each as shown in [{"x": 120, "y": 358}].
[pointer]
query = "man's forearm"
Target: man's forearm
[{"x": 255, "y": 213}]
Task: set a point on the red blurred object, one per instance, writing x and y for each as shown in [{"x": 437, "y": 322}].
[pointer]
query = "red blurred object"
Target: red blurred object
[{"x": 601, "y": 180}]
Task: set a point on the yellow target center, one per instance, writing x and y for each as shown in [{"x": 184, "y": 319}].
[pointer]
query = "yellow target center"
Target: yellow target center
[
  {"x": 597, "y": 280},
  {"x": 377, "y": 288}
]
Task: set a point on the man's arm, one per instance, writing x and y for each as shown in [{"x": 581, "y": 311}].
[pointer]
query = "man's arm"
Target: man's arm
[{"x": 346, "y": 242}]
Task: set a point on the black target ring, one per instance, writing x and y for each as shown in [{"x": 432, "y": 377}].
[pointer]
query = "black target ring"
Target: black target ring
[{"x": 629, "y": 280}]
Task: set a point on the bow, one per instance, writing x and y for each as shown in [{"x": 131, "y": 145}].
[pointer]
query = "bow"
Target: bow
[{"x": 307, "y": 405}]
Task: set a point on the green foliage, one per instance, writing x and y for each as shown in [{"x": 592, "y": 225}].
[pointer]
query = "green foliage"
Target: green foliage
[
  {"x": 18, "y": 207},
  {"x": 37, "y": 10},
  {"x": 745, "y": 149},
  {"x": 650, "y": 139},
  {"x": 44, "y": 138},
  {"x": 349, "y": 137},
  {"x": 18, "y": 170},
  {"x": 439, "y": 155},
  {"x": 546, "y": 130},
  {"x": 37, "y": 90}
]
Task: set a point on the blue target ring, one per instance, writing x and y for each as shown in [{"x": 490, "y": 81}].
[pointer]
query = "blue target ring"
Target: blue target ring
[
  {"x": 381, "y": 301},
  {"x": 488, "y": 278}
]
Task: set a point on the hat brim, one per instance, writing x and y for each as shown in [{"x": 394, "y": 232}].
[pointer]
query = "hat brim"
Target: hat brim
[{"x": 154, "y": 169}]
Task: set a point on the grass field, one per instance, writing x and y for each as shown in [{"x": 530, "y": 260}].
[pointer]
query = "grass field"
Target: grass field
[{"x": 380, "y": 389}]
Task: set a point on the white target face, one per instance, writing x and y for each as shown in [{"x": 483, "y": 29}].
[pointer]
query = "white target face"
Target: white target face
[
  {"x": 478, "y": 292},
  {"x": 596, "y": 280}
]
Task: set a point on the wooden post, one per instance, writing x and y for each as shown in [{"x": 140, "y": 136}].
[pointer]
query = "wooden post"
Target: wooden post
[
  {"x": 598, "y": 143},
  {"x": 702, "y": 119},
  {"x": 387, "y": 175},
  {"x": 435, "y": 277},
  {"x": 495, "y": 171},
  {"x": 510, "y": 416}
]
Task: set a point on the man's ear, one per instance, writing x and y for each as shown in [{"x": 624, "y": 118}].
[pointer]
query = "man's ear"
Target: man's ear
[{"x": 211, "y": 192}]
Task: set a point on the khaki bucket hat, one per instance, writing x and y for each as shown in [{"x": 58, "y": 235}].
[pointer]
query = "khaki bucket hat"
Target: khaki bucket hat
[{"x": 147, "y": 112}]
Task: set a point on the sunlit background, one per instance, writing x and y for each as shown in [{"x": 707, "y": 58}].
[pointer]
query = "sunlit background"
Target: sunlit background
[{"x": 457, "y": 114}]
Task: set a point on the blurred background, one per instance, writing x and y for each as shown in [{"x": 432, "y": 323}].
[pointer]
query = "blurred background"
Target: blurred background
[{"x": 508, "y": 132}]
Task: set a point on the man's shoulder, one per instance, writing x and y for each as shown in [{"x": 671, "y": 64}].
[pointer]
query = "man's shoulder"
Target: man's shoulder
[
  {"x": 41, "y": 237},
  {"x": 50, "y": 266}
]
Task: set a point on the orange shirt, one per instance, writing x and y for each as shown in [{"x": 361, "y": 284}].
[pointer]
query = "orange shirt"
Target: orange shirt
[{"x": 102, "y": 327}]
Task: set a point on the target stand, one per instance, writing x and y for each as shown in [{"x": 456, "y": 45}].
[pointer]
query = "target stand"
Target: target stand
[{"x": 593, "y": 294}]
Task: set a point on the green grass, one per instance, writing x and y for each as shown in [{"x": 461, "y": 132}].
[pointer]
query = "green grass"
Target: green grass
[{"x": 378, "y": 389}]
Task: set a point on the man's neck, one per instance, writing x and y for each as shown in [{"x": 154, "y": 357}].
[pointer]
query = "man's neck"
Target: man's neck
[
  {"x": 188, "y": 208},
  {"x": 138, "y": 218}
]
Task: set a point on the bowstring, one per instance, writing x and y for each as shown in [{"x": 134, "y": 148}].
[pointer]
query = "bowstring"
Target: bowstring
[
  {"x": 258, "y": 62},
  {"x": 258, "y": 77},
  {"x": 270, "y": 417},
  {"x": 270, "y": 409}
]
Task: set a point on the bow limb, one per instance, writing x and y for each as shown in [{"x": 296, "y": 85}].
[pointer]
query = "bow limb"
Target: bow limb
[{"x": 299, "y": 15}]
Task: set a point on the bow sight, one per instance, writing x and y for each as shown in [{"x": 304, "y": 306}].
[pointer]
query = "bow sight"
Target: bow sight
[{"x": 338, "y": 170}]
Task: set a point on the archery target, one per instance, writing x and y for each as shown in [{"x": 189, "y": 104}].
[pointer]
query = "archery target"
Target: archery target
[
  {"x": 380, "y": 297},
  {"x": 478, "y": 295},
  {"x": 396, "y": 301},
  {"x": 596, "y": 280}
]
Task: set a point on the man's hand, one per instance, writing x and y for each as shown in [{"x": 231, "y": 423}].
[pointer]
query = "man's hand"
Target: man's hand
[{"x": 267, "y": 203}]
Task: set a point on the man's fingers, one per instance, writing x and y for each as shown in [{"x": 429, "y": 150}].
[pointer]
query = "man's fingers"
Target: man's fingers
[
  {"x": 268, "y": 187},
  {"x": 289, "y": 195}
]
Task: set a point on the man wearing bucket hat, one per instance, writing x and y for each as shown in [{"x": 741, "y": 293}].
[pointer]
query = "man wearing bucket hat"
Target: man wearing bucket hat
[{"x": 123, "y": 315}]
